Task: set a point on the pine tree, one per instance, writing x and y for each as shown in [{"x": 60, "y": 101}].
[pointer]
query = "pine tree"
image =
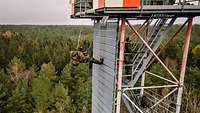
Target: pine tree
[
  {"x": 62, "y": 100},
  {"x": 48, "y": 70},
  {"x": 5, "y": 90},
  {"x": 16, "y": 67},
  {"x": 65, "y": 77},
  {"x": 82, "y": 80},
  {"x": 192, "y": 78},
  {"x": 41, "y": 93},
  {"x": 78, "y": 82},
  {"x": 196, "y": 55},
  {"x": 19, "y": 102}
]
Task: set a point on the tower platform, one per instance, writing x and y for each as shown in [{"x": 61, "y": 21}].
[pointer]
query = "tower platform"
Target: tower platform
[{"x": 146, "y": 11}]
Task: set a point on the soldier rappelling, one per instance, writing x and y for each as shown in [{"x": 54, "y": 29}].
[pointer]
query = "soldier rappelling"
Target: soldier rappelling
[{"x": 83, "y": 53}]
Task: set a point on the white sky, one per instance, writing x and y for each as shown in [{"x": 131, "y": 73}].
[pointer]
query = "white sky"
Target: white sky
[
  {"x": 43, "y": 12},
  {"x": 36, "y": 12}
]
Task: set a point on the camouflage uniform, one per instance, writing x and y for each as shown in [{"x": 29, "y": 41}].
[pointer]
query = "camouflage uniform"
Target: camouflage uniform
[
  {"x": 78, "y": 57},
  {"x": 83, "y": 54}
]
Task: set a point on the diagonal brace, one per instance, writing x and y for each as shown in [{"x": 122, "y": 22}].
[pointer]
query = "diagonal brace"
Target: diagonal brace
[
  {"x": 141, "y": 27},
  {"x": 132, "y": 103},
  {"x": 156, "y": 56},
  {"x": 163, "y": 98},
  {"x": 169, "y": 41}
]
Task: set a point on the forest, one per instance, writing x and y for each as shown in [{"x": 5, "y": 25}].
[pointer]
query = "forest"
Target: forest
[{"x": 36, "y": 75}]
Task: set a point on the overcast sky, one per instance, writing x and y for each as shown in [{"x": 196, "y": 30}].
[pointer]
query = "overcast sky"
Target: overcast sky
[
  {"x": 36, "y": 12},
  {"x": 43, "y": 12}
]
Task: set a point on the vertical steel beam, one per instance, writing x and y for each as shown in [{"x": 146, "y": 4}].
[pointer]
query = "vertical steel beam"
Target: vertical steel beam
[
  {"x": 183, "y": 64},
  {"x": 121, "y": 63},
  {"x": 142, "y": 85}
]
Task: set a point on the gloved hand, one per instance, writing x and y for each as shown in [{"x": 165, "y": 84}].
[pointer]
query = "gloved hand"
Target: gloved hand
[{"x": 101, "y": 60}]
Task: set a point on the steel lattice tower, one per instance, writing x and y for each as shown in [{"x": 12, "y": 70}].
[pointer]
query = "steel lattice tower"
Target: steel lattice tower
[{"x": 120, "y": 83}]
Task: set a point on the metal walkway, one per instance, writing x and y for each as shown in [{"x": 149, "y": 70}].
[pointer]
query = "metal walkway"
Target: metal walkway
[{"x": 143, "y": 12}]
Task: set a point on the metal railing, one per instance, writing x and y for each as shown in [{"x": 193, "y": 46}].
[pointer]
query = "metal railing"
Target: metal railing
[
  {"x": 181, "y": 3},
  {"x": 170, "y": 2},
  {"x": 158, "y": 2},
  {"x": 82, "y": 5},
  {"x": 188, "y": 2}
]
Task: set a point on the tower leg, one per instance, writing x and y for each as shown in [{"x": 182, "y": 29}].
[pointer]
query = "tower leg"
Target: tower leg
[
  {"x": 183, "y": 64},
  {"x": 142, "y": 85},
  {"x": 121, "y": 63}
]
